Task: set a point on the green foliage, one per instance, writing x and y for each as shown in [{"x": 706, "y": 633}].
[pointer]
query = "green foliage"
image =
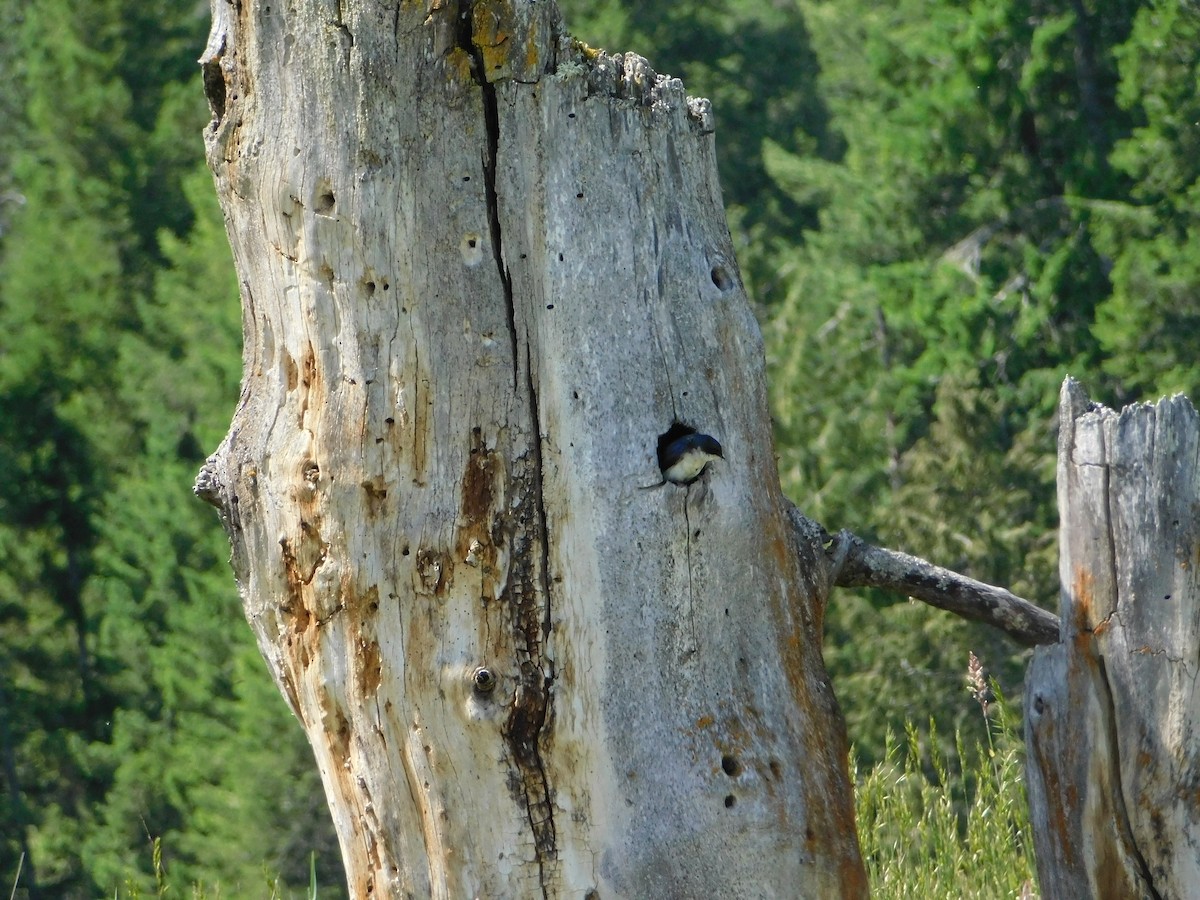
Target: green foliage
[
  {"x": 134, "y": 701},
  {"x": 931, "y": 829},
  {"x": 1149, "y": 326},
  {"x": 981, "y": 237},
  {"x": 62, "y": 301}
]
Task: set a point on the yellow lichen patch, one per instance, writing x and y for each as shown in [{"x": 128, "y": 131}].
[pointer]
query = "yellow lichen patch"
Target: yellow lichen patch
[
  {"x": 458, "y": 64},
  {"x": 531, "y": 49},
  {"x": 496, "y": 64},
  {"x": 491, "y": 31},
  {"x": 589, "y": 53}
]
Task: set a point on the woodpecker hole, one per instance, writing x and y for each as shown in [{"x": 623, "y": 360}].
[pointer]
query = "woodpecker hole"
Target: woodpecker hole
[
  {"x": 730, "y": 801},
  {"x": 325, "y": 201},
  {"x": 731, "y": 766},
  {"x": 668, "y": 437},
  {"x": 721, "y": 278}
]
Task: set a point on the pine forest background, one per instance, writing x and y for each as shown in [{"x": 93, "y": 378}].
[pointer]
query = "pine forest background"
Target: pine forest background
[{"x": 941, "y": 208}]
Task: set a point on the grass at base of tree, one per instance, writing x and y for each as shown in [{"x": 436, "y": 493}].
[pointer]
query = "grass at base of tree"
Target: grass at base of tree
[
  {"x": 271, "y": 889},
  {"x": 930, "y": 831}
]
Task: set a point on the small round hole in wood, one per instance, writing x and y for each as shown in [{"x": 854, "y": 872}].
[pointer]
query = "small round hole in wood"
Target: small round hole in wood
[{"x": 721, "y": 278}]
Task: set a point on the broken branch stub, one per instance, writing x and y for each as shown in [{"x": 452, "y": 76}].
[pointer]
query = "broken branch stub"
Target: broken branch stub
[{"x": 1112, "y": 713}]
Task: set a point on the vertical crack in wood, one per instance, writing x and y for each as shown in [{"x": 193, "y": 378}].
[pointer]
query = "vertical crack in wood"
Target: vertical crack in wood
[
  {"x": 491, "y": 122},
  {"x": 527, "y": 596},
  {"x": 1109, "y": 526},
  {"x": 491, "y": 118},
  {"x": 666, "y": 368},
  {"x": 691, "y": 612},
  {"x": 525, "y": 727},
  {"x": 528, "y": 591},
  {"x": 1121, "y": 811}
]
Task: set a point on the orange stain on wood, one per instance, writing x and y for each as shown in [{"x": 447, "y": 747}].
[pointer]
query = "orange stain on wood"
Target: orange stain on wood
[
  {"x": 479, "y": 482},
  {"x": 369, "y": 667},
  {"x": 1083, "y": 588}
]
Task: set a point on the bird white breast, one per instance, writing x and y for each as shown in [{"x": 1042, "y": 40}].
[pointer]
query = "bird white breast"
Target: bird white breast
[{"x": 689, "y": 466}]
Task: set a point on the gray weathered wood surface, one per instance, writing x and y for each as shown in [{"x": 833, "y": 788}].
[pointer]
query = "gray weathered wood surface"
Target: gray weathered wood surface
[
  {"x": 471, "y": 306},
  {"x": 1113, "y": 711}
]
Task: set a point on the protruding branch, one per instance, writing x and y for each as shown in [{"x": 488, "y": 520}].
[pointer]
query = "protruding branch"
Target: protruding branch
[
  {"x": 208, "y": 484},
  {"x": 859, "y": 564},
  {"x": 852, "y": 562}
]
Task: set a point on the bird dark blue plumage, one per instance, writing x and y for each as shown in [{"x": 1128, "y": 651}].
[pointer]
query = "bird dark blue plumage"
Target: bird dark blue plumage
[{"x": 685, "y": 458}]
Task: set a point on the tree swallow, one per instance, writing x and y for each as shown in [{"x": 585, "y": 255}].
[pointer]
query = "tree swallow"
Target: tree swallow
[{"x": 684, "y": 459}]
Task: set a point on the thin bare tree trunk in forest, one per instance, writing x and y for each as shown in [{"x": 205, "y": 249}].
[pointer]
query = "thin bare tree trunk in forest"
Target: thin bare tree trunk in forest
[
  {"x": 1112, "y": 712},
  {"x": 483, "y": 270}
]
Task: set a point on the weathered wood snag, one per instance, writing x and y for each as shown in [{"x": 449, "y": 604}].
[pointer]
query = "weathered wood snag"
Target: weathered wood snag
[
  {"x": 1112, "y": 712},
  {"x": 483, "y": 270}
]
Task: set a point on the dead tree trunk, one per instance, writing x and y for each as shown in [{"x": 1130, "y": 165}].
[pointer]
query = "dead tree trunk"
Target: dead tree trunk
[
  {"x": 1113, "y": 712},
  {"x": 483, "y": 270}
]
